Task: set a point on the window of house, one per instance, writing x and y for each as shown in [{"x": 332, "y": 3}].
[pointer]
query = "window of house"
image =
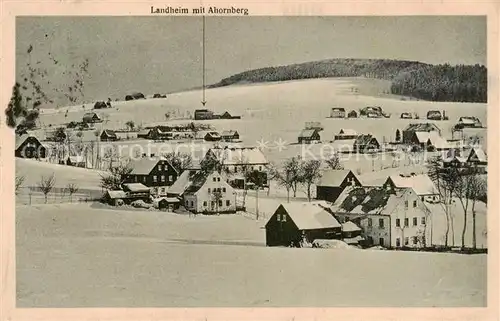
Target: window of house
[
  {"x": 224, "y": 189},
  {"x": 406, "y": 222},
  {"x": 278, "y": 218},
  {"x": 283, "y": 218},
  {"x": 415, "y": 240},
  {"x": 192, "y": 203},
  {"x": 209, "y": 190},
  {"x": 422, "y": 198},
  {"x": 159, "y": 167},
  {"x": 381, "y": 241},
  {"x": 205, "y": 203},
  {"x": 398, "y": 222},
  {"x": 414, "y": 203},
  {"x": 381, "y": 223},
  {"x": 406, "y": 241},
  {"x": 163, "y": 178},
  {"x": 406, "y": 204},
  {"x": 260, "y": 168},
  {"x": 423, "y": 221},
  {"x": 369, "y": 222},
  {"x": 135, "y": 179},
  {"x": 213, "y": 203},
  {"x": 220, "y": 202},
  {"x": 415, "y": 221},
  {"x": 215, "y": 179},
  {"x": 155, "y": 178},
  {"x": 144, "y": 179},
  {"x": 170, "y": 178},
  {"x": 398, "y": 242},
  {"x": 228, "y": 203},
  {"x": 218, "y": 179},
  {"x": 235, "y": 169},
  {"x": 369, "y": 239}
]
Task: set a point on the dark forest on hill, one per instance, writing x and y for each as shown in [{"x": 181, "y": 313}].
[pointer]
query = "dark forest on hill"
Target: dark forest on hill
[{"x": 460, "y": 83}]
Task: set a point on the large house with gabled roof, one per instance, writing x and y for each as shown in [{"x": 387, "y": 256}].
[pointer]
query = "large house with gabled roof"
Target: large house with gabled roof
[
  {"x": 29, "y": 146},
  {"x": 157, "y": 173},
  {"x": 209, "y": 193}
]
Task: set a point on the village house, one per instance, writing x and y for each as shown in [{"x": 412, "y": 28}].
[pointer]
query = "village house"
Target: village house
[
  {"x": 108, "y": 135},
  {"x": 406, "y": 115},
  {"x": 212, "y": 137},
  {"x": 314, "y": 125},
  {"x": 292, "y": 224},
  {"x": 469, "y": 122},
  {"x": 76, "y": 161},
  {"x": 431, "y": 141},
  {"x": 134, "y": 96},
  {"x": 29, "y": 146},
  {"x": 409, "y": 133},
  {"x": 337, "y": 112},
  {"x": 391, "y": 218},
  {"x": 308, "y": 136},
  {"x": 160, "y": 133},
  {"x": 365, "y": 143},
  {"x": 230, "y": 136},
  {"x": 473, "y": 157},
  {"x": 421, "y": 184},
  {"x": 434, "y": 115},
  {"x": 130, "y": 192},
  {"x": 209, "y": 194},
  {"x": 352, "y": 114},
  {"x": 202, "y": 114},
  {"x": 346, "y": 134},
  {"x": 91, "y": 118},
  {"x": 227, "y": 115},
  {"x": 155, "y": 173},
  {"x": 333, "y": 182}
]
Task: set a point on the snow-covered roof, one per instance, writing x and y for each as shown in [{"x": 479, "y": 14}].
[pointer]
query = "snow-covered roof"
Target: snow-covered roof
[
  {"x": 333, "y": 177},
  {"x": 480, "y": 154},
  {"x": 421, "y": 184},
  {"x": 307, "y": 132},
  {"x": 236, "y": 155},
  {"x": 116, "y": 194},
  {"x": 136, "y": 187},
  {"x": 350, "y": 227},
  {"x": 310, "y": 216}
]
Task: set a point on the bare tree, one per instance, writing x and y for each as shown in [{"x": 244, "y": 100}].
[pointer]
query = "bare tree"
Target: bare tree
[
  {"x": 293, "y": 169},
  {"x": 114, "y": 178},
  {"x": 334, "y": 162},
  {"x": 446, "y": 180},
  {"x": 46, "y": 184},
  {"x": 272, "y": 175},
  {"x": 311, "y": 172},
  {"x": 130, "y": 125},
  {"x": 19, "y": 182},
  {"x": 258, "y": 179},
  {"x": 72, "y": 189},
  {"x": 180, "y": 161}
]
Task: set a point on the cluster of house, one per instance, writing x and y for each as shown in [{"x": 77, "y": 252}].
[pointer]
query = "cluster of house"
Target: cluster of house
[
  {"x": 196, "y": 189},
  {"x": 205, "y": 114},
  {"x": 396, "y": 213},
  {"x": 346, "y": 141},
  {"x": 369, "y": 112}
]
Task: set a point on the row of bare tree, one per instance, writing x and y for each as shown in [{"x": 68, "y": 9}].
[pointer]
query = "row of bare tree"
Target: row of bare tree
[{"x": 45, "y": 185}]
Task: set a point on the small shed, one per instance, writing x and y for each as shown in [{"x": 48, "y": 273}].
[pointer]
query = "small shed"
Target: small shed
[
  {"x": 77, "y": 161},
  {"x": 352, "y": 114},
  {"x": 406, "y": 116},
  {"x": 168, "y": 204},
  {"x": 434, "y": 115},
  {"x": 115, "y": 198},
  {"x": 309, "y": 136}
]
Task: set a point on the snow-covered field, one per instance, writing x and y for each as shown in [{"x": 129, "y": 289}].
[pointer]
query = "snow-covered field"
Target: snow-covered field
[
  {"x": 275, "y": 113},
  {"x": 79, "y": 256}
]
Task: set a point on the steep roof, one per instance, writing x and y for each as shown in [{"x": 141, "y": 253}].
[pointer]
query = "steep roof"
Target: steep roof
[
  {"x": 307, "y": 132},
  {"x": 182, "y": 183},
  {"x": 350, "y": 227},
  {"x": 480, "y": 154},
  {"x": 422, "y": 127},
  {"x": 145, "y": 165},
  {"x": 116, "y": 194},
  {"x": 310, "y": 216},
  {"x": 20, "y": 139},
  {"x": 236, "y": 155},
  {"x": 229, "y": 133},
  {"x": 338, "y": 109},
  {"x": 368, "y": 200},
  {"x": 333, "y": 177},
  {"x": 363, "y": 140},
  {"x": 421, "y": 184},
  {"x": 135, "y": 187},
  {"x": 347, "y": 132}
]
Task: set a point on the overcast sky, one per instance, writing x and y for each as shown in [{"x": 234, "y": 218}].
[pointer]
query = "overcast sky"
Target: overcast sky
[{"x": 163, "y": 54}]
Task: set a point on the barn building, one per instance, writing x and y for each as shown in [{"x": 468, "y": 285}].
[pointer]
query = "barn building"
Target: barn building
[{"x": 295, "y": 223}]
